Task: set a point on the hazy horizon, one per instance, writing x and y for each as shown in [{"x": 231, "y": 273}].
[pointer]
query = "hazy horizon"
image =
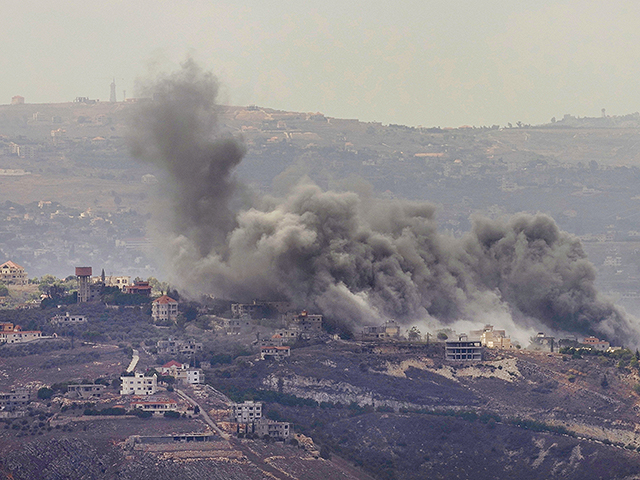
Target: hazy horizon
[{"x": 427, "y": 63}]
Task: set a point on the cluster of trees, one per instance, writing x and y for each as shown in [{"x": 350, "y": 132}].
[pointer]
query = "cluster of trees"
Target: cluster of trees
[{"x": 625, "y": 357}]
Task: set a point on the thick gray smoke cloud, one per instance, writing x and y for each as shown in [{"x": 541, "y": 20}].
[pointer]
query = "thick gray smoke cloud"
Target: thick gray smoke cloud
[
  {"x": 178, "y": 131},
  {"x": 354, "y": 261}
]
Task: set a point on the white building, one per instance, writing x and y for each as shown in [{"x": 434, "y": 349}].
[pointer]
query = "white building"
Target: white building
[
  {"x": 278, "y": 353},
  {"x": 120, "y": 281},
  {"x": 12, "y": 274},
  {"x": 139, "y": 384},
  {"x": 246, "y": 412},
  {"x": 596, "y": 344},
  {"x": 182, "y": 371},
  {"x": 10, "y": 333},
  {"x": 192, "y": 376},
  {"x": 164, "y": 309},
  {"x": 159, "y": 406},
  {"x": 68, "y": 319}
]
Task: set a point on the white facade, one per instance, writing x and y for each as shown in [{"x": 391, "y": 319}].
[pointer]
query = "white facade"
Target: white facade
[
  {"x": 275, "y": 352},
  {"x": 10, "y": 333},
  {"x": 194, "y": 376},
  {"x": 68, "y": 319},
  {"x": 246, "y": 412},
  {"x": 139, "y": 384},
  {"x": 182, "y": 371},
  {"x": 12, "y": 274},
  {"x": 164, "y": 309},
  {"x": 113, "y": 281},
  {"x": 160, "y": 406},
  {"x": 20, "y": 337}
]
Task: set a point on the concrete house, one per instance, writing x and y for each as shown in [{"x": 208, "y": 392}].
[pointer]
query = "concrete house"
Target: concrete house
[
  {"x": 182, "y": 371},
  {"x": 15, "y": 398},
  {"x": 164, "y": 309},
  {"x": 273, "y": 429},
  {"x": 463, "y": 349},
  {"x": 387, "y": 331},
  {"x": 139, "y": 384},
  {"x": 246, "y": 412},
  {"x": 492, "y": 338},
  {"x": 10, "y": 333},
  {"x": 86, "y": 391},
  {"x": 12, "y": 274},
  {"x": 596, "y": 344},
  {"x": 304, "y": 322},
  {"x": 159, "y": 406},
  {"x": 278, "y": 353},
  {"x": 68, "y": 319},
  {"x": 174, "y": 347}
]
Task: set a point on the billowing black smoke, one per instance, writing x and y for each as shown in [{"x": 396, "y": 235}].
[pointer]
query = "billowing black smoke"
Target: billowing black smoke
[
  {"x": 177, "y": 130},
  {"x": 356, "y": 261}
]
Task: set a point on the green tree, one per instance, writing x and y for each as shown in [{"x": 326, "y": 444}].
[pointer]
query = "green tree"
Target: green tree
[
  {"x": 157, "y": 287},
  {"x": 414, "y": 334},
  {"x": 4, "y": 291},
  {"x": 325, "y": 452},
  {"x": 45, "y": 393}
]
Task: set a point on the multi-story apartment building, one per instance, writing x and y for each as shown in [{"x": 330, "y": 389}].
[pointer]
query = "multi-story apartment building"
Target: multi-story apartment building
[
  {"x": 139, "y": 384},
  {"x": 12, "y": 274},
  {"x": 246, "y": 412},
  {"x": 164, "y": 309}
]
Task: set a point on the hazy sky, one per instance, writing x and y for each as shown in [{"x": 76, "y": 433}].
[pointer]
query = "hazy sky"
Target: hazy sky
[{"x": 422, "y": 62}]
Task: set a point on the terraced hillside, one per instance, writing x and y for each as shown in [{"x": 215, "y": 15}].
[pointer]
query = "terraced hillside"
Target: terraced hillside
[{"x": 405, "y": 413}]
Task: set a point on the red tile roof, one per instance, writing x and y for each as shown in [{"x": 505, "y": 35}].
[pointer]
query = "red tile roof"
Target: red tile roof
[
  {"x": 171, "y": 364},
  {"x": 164, "y": 300},
  {"x": 11, "y": 264}
]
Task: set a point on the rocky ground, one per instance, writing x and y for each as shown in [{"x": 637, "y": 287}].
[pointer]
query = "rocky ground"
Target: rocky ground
[
  {"x": 402, "y": 412},
  {"x": 374, "y": 411}
]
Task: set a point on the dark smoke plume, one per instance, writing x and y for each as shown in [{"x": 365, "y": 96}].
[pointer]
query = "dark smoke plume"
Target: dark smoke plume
[
  {"x": 330, "y": 251},
  {"x": 178, "y": 131}
]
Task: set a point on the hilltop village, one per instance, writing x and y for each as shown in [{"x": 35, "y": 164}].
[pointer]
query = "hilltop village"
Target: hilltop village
[
  {"x": 109, "y": 372},
  {"x": 186, "y": 379},
  {"x": 72, "y": 192}
]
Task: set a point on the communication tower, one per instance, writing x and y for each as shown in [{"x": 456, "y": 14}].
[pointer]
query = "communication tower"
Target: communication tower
[{"x": 112, "y": 98}]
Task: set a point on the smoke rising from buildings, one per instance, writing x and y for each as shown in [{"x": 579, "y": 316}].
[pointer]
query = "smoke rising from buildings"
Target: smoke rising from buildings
[{"x": 360, "y": 262}]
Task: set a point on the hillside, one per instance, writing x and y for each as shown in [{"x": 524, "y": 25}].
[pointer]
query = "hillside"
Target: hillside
[
  {"x": 582, "y": 172},
  {"x": 405, "y": 413},
  {"x": 381, "y": 411}
]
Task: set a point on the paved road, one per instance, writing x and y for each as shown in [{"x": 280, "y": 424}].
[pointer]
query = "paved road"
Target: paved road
[
  {"x": 134, "y": 361},
  {"x": 204, "y": 414}
]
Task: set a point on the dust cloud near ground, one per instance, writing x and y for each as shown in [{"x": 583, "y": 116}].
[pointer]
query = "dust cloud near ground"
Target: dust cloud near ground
[{"x": 356, "y": 261}]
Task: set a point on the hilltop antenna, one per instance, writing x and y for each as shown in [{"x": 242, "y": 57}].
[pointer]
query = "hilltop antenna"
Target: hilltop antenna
[{"x": 112, "y": 97}]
